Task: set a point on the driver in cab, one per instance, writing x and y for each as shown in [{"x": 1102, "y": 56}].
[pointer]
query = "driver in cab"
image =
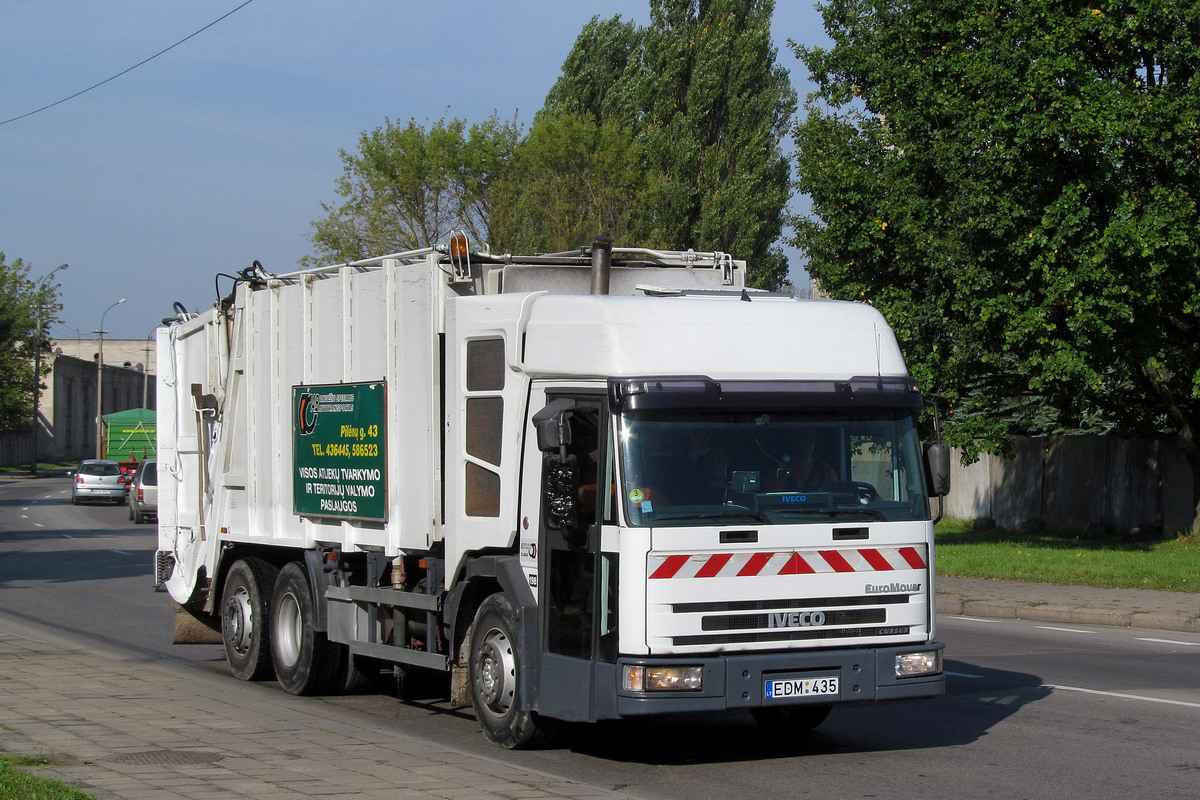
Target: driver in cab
[{"x": 799, "y": 469}]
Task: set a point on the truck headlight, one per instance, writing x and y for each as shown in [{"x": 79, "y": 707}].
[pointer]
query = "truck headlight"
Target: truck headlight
[
  {"x": 911, "y": 665},
  {"x": 662, "y": 679}
]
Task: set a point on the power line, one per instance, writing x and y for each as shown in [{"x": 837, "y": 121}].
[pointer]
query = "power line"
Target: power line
[{"x": 130, "y": 69}]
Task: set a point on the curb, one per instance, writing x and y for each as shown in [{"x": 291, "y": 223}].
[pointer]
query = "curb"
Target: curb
[{"x": 960, "y": 604}]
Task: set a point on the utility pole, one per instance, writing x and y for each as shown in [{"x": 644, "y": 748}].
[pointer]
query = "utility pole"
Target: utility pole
[{"x": 100, "y": 382}]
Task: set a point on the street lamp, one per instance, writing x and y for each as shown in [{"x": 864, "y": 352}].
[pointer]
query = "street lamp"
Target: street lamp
[
  {"x": 100, "y": 382},
  {"x": 40, "y": 299}
]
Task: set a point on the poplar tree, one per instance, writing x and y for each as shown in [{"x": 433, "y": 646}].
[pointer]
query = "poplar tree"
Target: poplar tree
[{"x": 706, "y": 106}]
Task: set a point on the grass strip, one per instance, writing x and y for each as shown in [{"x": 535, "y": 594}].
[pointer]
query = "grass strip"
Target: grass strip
[
  {"x": 17, "y": 784},
  {"x": 1169, "y": 563}
]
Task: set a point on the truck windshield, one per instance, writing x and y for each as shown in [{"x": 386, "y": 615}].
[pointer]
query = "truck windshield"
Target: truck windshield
[{"x": 682, "y": 467}]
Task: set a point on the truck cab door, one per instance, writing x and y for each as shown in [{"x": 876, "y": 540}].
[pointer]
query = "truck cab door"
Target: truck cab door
[{"x": 577, "y": 583}]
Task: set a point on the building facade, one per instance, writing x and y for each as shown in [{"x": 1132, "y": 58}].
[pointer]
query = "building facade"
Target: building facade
[{"x": 67, "y": 428}]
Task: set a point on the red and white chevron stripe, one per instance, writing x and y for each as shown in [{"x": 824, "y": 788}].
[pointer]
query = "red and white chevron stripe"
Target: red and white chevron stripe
[{"x": 789, "y": 562}]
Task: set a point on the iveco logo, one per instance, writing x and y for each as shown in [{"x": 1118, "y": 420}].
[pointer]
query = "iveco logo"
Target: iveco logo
[{"x": 797, "y": 619}]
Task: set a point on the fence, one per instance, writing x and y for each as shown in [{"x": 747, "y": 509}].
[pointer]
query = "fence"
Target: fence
[
  {"x": 16, "y": 448},
  {"x": 1089, "y": 484}
]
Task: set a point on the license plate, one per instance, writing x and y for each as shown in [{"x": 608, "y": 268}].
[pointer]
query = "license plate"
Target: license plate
[{"x": 800, "y": 687}]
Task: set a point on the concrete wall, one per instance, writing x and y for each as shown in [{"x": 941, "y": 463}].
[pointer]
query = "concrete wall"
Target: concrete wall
[
  {"x": 67, "y": 409},
  {"x": 1077, "y": 483},
  {"x": 133, "y": 353}
]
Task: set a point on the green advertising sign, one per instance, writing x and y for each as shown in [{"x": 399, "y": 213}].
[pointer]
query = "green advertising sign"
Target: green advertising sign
[{"x": 339, "y": 451}]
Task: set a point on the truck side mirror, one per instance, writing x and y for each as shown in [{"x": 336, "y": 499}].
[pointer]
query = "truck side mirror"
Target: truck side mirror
[
  {"x": 560, "y": 481},
  {"x": 553, "y": 431},
  {"x": 937, "y": 468}
]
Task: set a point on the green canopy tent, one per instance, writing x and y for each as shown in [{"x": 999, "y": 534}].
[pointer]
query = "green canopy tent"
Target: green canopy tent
[{"x": 129, "y": 435}]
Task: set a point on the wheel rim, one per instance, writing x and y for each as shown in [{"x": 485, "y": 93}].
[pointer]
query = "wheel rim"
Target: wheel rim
[
  {"x": 497, "y": 672},
  {"x": 288, "y": 629},
  {"x": 239, "y": 621}
]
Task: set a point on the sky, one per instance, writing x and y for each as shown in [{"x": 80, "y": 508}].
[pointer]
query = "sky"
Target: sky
[{"x": 222, "y": 150}]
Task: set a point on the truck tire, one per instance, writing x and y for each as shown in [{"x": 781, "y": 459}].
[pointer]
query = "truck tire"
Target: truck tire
[
  {"x": 357, "y": 674},
  {"x": 306, "y": 662},
  {"x": 245, "y": 610},
  {"x": 791, "y": 719},
  {"x": 495, "y": 675}
]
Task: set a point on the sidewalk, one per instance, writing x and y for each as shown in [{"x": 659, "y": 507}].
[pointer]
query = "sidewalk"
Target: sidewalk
[{"x": 124, "y": 726}]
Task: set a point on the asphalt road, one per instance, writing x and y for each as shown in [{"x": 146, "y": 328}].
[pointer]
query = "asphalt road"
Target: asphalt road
[{"x": 1033, "y": 710}]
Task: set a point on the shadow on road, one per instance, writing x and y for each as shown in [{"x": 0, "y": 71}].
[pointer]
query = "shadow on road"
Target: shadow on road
[
  {"x": 971, "y": 707},
  {"x": 65, "y": 566}
]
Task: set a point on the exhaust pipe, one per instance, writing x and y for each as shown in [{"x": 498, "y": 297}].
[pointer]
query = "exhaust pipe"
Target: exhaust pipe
[{"x": 601, "y": 264}]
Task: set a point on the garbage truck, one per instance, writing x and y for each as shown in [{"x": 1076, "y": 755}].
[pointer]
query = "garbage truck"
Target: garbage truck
[{"x": 592, "y": 485}]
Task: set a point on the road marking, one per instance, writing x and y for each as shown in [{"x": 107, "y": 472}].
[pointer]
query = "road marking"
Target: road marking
[
  {"x": 38, "y": 525},
  {"x": 976, "y": 619},
  {"x": 1123, "y": 696},
  {"x": 1064, "y": 630},
  {"x": 120, "y": 552},
  {"x": 1168, "y": 641},
  {"x": 66, "y": 536}
]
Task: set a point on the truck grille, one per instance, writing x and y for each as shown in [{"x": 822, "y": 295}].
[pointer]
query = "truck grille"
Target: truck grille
[
  {"x": 738, "y": 622},
  {"x": 775, "y": 605},
  {"x": 790, "y": 635},
  {"x": 776, "y": 621}
]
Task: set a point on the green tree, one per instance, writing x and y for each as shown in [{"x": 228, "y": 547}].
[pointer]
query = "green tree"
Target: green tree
[
  {"x": 1015, "y": 186},
  {"x": 19, "y": 301},
  {"x": 717, "y": 108},
  {"x": 599, "y": 75},
  {"x": 707, "y": 106},
  {"x": 667, "y": 136},
  {"x": 408, "y": 186},
  {"x": 571, "y": 179}
]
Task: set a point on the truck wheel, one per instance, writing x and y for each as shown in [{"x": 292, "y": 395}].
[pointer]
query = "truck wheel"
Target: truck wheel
[
  {"x": 357, "y": 674},
  {"x": 790, "y": 719},
  {"x": 495, "y": 672},
  {"x": 245, "y": 605},
  {"x": 306, "y": 662}
]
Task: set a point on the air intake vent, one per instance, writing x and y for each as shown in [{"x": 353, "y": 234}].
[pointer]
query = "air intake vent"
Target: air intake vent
[{"x": 790, "y": 635}]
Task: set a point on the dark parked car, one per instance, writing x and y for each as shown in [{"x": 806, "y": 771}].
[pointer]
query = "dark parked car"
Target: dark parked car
[
  {"x": 98, "y": 479},
  {"x": 143, "y": 494}
]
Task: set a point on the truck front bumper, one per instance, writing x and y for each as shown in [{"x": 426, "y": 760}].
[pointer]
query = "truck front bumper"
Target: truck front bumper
[{"x": 740, "y": 681}]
